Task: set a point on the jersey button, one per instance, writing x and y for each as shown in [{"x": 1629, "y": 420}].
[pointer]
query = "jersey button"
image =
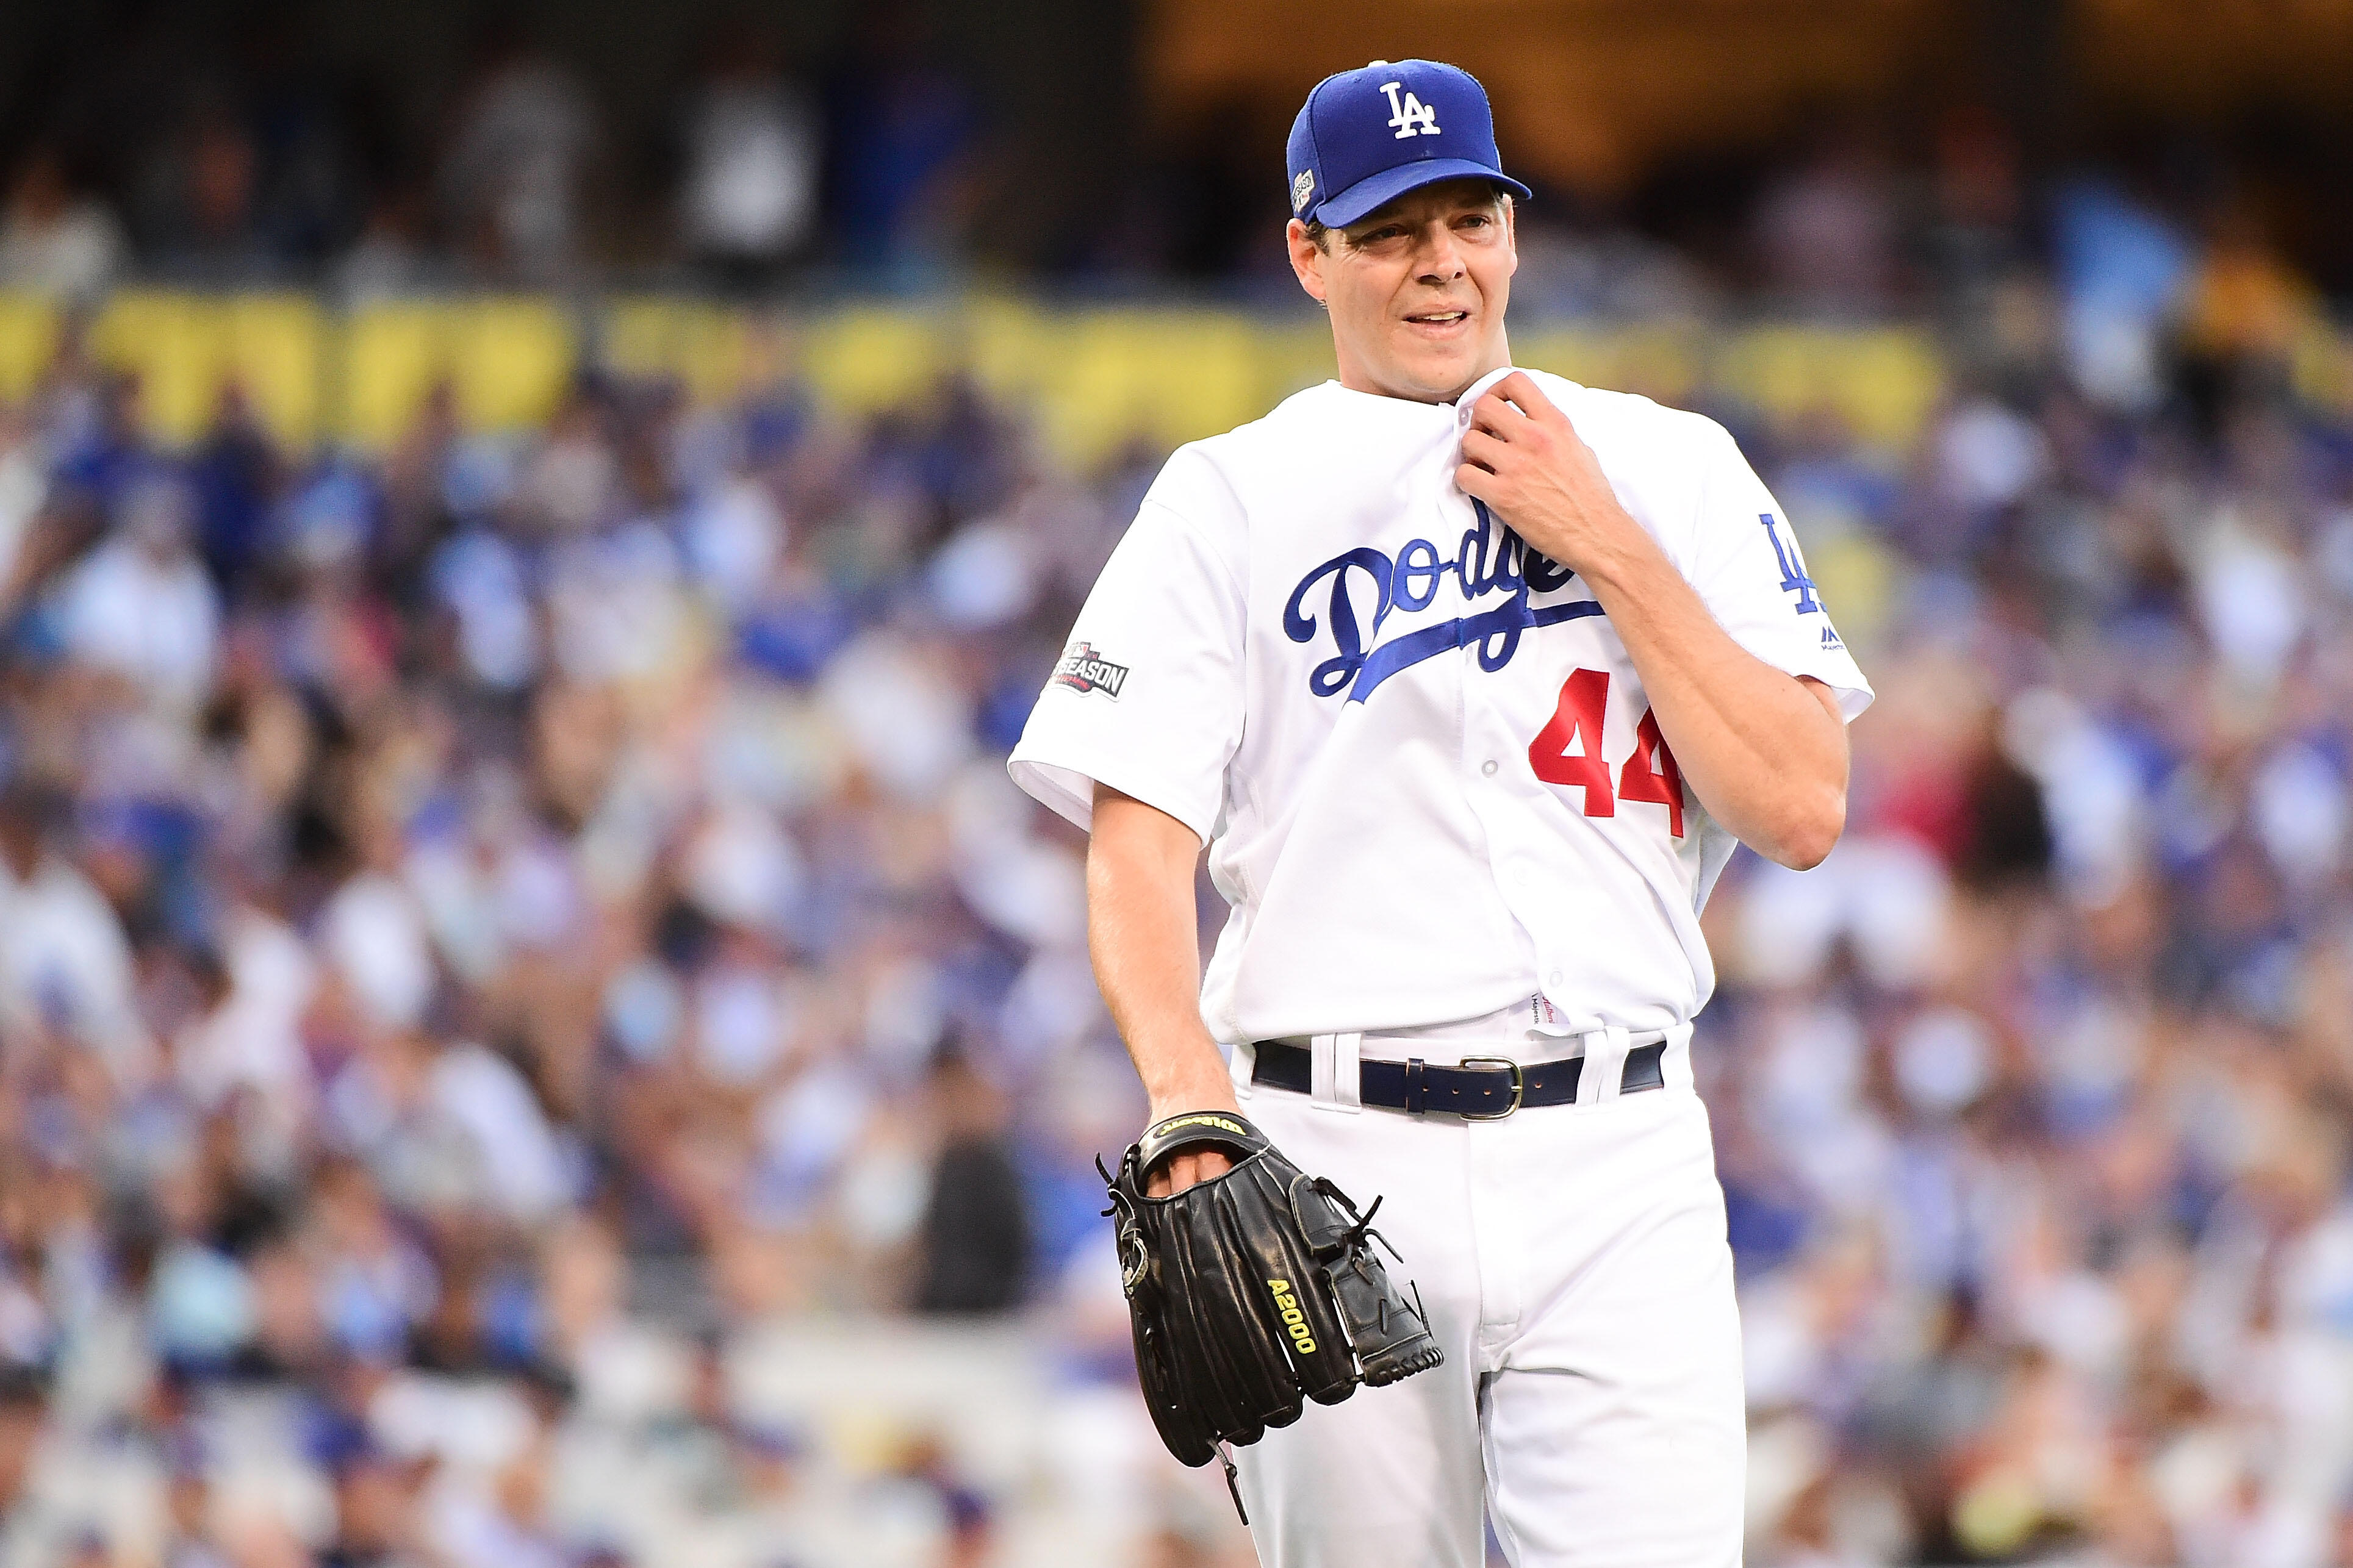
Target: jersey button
[
  {"x": 1553, "y": 978},
  {"x": 1488, "y": 768}
]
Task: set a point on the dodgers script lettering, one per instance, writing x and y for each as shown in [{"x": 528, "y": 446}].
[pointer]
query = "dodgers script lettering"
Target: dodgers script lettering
[{"x": 1489, "y": 559}]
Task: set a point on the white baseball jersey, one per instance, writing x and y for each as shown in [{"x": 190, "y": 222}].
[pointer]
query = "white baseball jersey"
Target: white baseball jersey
[{"x": 1421, "y": 759}]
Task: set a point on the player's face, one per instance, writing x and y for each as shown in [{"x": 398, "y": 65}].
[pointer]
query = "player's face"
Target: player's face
[{"x": 1417, "y": 290}]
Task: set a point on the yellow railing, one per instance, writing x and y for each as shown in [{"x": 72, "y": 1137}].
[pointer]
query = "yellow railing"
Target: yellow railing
[{"x": 1093, "y": 378}]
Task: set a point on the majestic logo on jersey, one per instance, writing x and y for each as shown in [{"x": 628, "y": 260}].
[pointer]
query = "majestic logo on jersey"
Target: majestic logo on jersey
[
  {"x": 1083, "y": 669},
  {"x": 1488, "y": 560},
  {"x": 1409, "y": 118},
  {"x": 1300, "y": 189}
]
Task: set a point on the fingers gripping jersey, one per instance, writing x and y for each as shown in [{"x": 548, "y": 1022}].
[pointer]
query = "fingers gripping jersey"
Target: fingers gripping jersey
[{"x": 1421, "y": 758}]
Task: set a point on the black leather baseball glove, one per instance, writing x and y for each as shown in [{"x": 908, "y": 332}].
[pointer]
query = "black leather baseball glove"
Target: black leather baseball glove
[{"x": 1253, "y": 1291}]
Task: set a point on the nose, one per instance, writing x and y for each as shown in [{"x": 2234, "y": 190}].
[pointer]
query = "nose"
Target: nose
[{"x": 1440, "y": 261}]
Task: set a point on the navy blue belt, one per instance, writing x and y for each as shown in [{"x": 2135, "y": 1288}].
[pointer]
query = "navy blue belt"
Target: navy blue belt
[{"x": 1482, "y": 1088}]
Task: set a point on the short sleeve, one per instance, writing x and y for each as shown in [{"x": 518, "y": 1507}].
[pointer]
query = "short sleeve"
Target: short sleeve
[
  {"x": 1748, "y": 571},
  {"x": 1147, "y": 695}
]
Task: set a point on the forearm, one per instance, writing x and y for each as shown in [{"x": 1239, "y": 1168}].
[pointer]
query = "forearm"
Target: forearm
[
  {"x": 1765, "y": 752},
  {"x": 1142, "y": 935}
]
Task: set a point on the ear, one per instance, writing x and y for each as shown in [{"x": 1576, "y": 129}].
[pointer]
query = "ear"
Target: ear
[{"x": 1306, "y": 260}]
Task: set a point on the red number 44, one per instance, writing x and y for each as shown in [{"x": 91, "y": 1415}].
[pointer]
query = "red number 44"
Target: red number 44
[{"x": 1568, "y": 751}]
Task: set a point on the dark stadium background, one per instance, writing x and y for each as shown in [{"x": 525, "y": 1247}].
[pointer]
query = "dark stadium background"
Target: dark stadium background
[{"x": 534, "y": 1031}]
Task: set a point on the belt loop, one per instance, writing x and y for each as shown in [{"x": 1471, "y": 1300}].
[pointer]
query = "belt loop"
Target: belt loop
[
  {"x": 1336, "y": 1076},
  {"x": 1417, "y": 1087},
  {"x": 1605, "y": 1065},
  {"x": 1675, "y": 1065},
  {"x": 1241, "y": 1067}
]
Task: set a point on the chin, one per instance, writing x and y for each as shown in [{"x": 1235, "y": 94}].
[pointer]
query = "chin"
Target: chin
[
  {"x": 1440, "y": 378},
  {"x": 1446, "y": 364}
]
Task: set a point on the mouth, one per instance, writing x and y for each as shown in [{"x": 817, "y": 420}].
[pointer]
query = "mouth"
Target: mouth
[{"x": 1439, "y": 323}]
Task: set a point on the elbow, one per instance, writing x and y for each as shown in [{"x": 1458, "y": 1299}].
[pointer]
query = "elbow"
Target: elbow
[{"x": 1808, "y": 838}]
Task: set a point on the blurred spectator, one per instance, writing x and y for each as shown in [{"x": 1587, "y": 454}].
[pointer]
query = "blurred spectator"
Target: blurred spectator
[
  {"x": 971, "y": 1533},
  {"x": 375, "y": 1524},
  {"x": 140, "y": 608},
  {"x": 975, "y": 1231},
  {"x": 389, "y": 255},
  {"x": 2122, "y": 269},
  {"x": 189, "y": 1499},
  {"x": 2245, "y": 314},
  {"x": 235, "y": 475},
  {"x": 1825, "y": 230},
  {"x": 53, "y": 239},
  {"x": 200, "y": 201},
  {"x": 2246, "y": 303},
  {"x": 514, "y": 176},
  {"x": 22, "y": 1408},
  {"x": 1974, "y": 237},
  {"x": 24, "y": 488},
  {"x": 65, "y": 968},
  {"x": 900, "y": 135},
  {"x": 749, "y": 193}
]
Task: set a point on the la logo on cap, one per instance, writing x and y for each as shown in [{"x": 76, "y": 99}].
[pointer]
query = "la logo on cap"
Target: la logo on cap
[{"x": 1409, "y": 117}]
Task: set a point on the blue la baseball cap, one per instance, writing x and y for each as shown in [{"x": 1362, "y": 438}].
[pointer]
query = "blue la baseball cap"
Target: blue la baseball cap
[{"x": 1369, "y": 135}]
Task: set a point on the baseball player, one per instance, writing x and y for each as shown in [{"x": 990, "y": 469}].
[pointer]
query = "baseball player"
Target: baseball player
[{"x": 1470, "y": 678}]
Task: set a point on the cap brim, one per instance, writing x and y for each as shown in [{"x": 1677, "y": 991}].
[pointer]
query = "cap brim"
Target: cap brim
[{"x": 1345, "y": 207}]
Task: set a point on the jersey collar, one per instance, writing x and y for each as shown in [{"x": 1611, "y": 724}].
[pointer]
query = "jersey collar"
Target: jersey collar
[
  {"x": 1475, "y": 391},
  {"x": 1460, "y": 406}
]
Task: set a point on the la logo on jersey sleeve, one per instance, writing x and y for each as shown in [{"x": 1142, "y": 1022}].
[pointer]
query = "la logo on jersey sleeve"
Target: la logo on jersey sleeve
[{"x": 1794, "y": 579}]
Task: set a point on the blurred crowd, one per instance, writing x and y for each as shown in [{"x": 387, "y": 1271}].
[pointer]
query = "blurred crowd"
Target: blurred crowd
[
  {"x": 244, "y": 159},
  {"x": 743, "y": 153},
  {"x": 2032, "y": 1104},
  {"x": 489, "y": 927},
  {"x": 460, "y": 905}
]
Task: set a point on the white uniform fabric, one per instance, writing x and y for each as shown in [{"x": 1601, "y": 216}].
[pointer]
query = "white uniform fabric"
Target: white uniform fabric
[
  {"x": 1573, "y": 1264},
  {"x": 1316, "y": 651},
  {"x": 1446, "y": 825}
]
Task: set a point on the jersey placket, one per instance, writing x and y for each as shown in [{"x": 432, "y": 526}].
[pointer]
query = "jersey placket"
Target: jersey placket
[{"x": 1491, "y": 781}]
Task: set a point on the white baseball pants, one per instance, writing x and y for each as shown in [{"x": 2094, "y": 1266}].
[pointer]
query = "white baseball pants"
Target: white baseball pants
[{"x": 1573, "y": 1261}]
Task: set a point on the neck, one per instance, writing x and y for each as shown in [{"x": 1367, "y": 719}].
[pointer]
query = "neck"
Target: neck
[{"x": 1357, "y": 377}]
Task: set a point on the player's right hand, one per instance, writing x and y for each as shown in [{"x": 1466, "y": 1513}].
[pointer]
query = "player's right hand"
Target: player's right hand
[
  {"x": 1184, "y": 1169},
  {"x": 1187, "y": 1166}
]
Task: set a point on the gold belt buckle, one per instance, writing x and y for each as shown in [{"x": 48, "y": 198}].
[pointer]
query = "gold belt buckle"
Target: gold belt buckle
[{"x": 1519, "y": 1087}]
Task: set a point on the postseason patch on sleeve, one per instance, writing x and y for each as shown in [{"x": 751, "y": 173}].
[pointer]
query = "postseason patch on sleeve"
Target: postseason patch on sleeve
[{"x": 1084, "y": 669}]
